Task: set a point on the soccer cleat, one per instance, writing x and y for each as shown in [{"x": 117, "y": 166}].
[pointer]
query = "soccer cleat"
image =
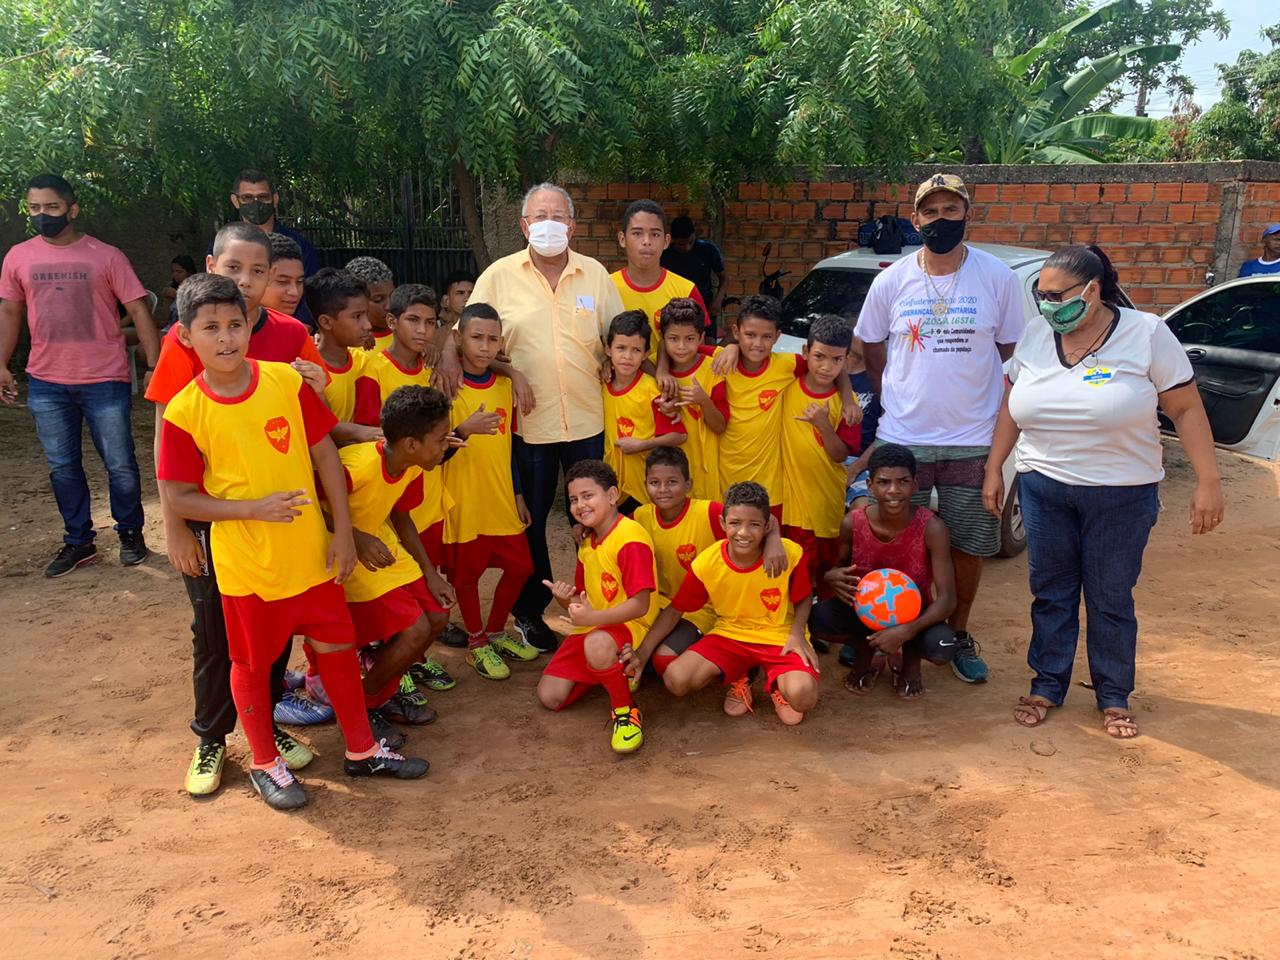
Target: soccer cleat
[
  {"x": 513, "y": 648},
  {"x": 278, "y": 787},
  {"x": 204, "y": 776},
  {"x": 411, "y": 691},
  {"x": 786, "y": 713},
  {"x": 133, "y": 549},
  {"x": 627, "y": 735},
  {"x": 453, "y": 636},
  {"x": 488, "y": 663},
  {"x": 296, "y": 755},
  {"x": 968, "y": 664},
  {"x": 295, "y": 710},
  {"x": 72, "y": 556},
  {"x": 382, "y": 729},
  {"x": 537, "y": 634},
  {"x": 404, "y": 708},
  {"x": 432, "y": 675},
  {"x": 387, "y": 763},
  {"x": 293, "y": 679},
  {"x": 738, "y": 698}
]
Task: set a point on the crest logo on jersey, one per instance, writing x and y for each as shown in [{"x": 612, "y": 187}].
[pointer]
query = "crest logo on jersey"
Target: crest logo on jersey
[
  {"x": 608, "y": 586},
  {"x": 685, "y": 554},
  {"x": 771, "y": 597},
  {"x": 768, "y": 398},
  {"x": 502, "y": 420},
  {"x": 626, "y": 426},
  {"x": 277, "y": 431}
]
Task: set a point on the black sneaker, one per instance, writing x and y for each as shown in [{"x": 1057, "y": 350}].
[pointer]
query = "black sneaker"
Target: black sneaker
[
  {"x": 453, "y": 636},
  {"x": 380, "y": 723},
  {"x": 537, "y": 634},
  {"x": 387, "y": 763},
  {"x": 133, "y": 550},
  {"x": 402, "y": 708},
  {"x": 70, "y": 557},
  {"x": 278, "y": 787}
]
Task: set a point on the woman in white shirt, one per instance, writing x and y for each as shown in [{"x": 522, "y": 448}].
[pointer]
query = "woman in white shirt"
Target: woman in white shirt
[{"x": 1081, "y": 409}]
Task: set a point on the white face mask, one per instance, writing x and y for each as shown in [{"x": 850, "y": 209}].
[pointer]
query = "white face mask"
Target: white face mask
[{"x": 549, "y": 238}]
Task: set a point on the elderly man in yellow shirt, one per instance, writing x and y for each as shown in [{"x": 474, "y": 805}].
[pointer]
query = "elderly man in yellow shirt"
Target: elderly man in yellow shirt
[{"x": 556, "y": 306}]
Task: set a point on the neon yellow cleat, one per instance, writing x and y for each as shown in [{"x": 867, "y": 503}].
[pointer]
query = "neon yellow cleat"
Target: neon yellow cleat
[
  {"x": 204, "y": 776},
  {"x": 627, "y": 736},
  {"x": 514, "y": 648},
  {"x": 488, "y": 663},
  {"x": 296, "y": 755}
]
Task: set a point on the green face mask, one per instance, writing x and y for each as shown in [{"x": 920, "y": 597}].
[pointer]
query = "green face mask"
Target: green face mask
[{"x": 1066, "y": 316}]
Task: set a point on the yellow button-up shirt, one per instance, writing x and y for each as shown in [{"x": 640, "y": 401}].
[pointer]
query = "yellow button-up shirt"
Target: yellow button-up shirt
[{"x": 555, "y": 338}]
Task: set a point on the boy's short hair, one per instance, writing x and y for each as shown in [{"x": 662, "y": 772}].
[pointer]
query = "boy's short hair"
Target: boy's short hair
[
  {"x": 759, "y": 306},
  {"x": 891, "y": 455},
  {"x": 329, "y": 290},
  {"x": 481, "y": 311},
  {"x": 51, "y": 181},
  {"x": 831, "y": 330},
  {"x": 412, "y": 411},
  {"x": 629, "y": 323},
  {"x": 668, "y": 457},
  {"x": 683, "y": 312},
  {"x": 682, "y": 227},
  {"x": 284, "y": 248},
  {"x": 747, "y": 493},
  {"x": 643, "y": 206},
  {"x": 240, "y": 231},
  {"x": 370, "y": 269},
  {"x": 252, "y": 175},
  {"x": 457, "y": 276},
  {"x": 407, "y": 294},
  {"x": 201, "y": 289},
  {"x": 596, "y": 470}
]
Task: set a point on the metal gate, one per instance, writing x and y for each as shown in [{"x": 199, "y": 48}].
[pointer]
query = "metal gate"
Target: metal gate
[{"x": 414, "y": 225}]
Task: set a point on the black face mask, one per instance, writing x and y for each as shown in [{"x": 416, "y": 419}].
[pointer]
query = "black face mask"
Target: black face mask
[
  {"x": 47, "y": 225},
  {"x": 257, "y": 211},
  {"x": 942, "y": 236}
]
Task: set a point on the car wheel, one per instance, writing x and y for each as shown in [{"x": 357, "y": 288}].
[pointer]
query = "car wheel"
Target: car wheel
[{"x": 1013, "y": 535}]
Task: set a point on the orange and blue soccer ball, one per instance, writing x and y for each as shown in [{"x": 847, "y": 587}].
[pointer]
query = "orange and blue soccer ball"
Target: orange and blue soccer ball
[{"x": 886, "y": 598}]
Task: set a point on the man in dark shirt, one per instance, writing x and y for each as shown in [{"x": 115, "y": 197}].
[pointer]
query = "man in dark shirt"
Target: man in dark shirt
[{"x": 699, "y": 261}]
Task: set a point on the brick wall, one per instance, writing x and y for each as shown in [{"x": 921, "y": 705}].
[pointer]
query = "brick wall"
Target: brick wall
[{"x": 1164, "y": 225}]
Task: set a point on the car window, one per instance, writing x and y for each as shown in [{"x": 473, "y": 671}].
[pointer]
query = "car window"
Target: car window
[
  {"x": 1242, "y": 318},
  {"x": 824, "y": 291}
]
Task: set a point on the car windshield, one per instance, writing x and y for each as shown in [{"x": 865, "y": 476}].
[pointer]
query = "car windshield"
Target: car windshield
[
  {"x": 824, "y": 291},
  {"x": 1246, "y": 317}
]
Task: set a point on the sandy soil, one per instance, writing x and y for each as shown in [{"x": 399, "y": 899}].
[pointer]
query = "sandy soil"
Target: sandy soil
[{"x": 877, "y": 829}]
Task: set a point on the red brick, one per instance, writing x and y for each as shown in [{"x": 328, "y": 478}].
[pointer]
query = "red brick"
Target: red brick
[
  {"x": 847, "y": 230},
  {"x": 1057, "y": 233},
  {"x": 1075, "y": 213},
  {"x": 795, "y": 191},
  {"x": 1150, "y": 275},
  {"x": 1088, "y": 192},
  {"x": 1173, "y": 255},
  {"x": 735, "y": 210},
  {"x": 1032, "y": 234},
  {"x": 995, "y": 213},
  {"x": 1154, "y": 213},
  {"x": 1195, "y": 191},
  {"x": 1035, "y": 192},
  {"x": 1048, "y": 213},
  {"x": 787, "y": 250},
  {"x": 812, "y": 250},
  {"x": 773, "y": 230},
  {"x": 1062, "y": 192},
  {"x": 1012, "y": 192},
  {"x": 1166, "y": 296},
  {"x": 833, "y": 211},
  {"x": 748, "y": 191},
  {"x": 1107, "y": 233},
  {"x": 597, "y": 191},
  {"x": 842, "y": 190},
  {"x": 803, "y": 211},
  {"x": 780, "y": 211},
  {"x": 1126, "y": 212},
  {"x": 797, "y": 231},
  {"x": 1207, "y": 212},
  {"x": 757, "y": 211},
  {"x": 1169, "y": 191},
  {"x": 1181, "y": 212},
  {"x": 1113, "y": 193},
  {"x": 819, "y": 190},
  {"x": 618, "y": 191},
  {"x": 1100, "y": 213},
  {"x": 1160, "y": 233},
  {"x": 1202, "y": 255},
  {"x": 1134, "y": 233},
  {"x": 1142, "y": 192},
  {"x": 750, "y": 229},
  {"x": 1183, "y": 275},
  {"x": 1022, "y": 213},
  {"x": 983, "y": 192},
  {"x": 1008, "y": 234}
]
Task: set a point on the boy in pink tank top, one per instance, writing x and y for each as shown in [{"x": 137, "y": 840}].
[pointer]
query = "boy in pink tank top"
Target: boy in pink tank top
[{"x": 891, "y": 532}]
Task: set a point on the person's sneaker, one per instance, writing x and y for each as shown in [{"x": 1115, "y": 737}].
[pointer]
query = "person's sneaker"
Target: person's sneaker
[
  {"x": 204, "y": 776},
  {"x": 738, "y": 698},
  {"x": 387, "y": 763},
  {"x": 454, "y": 636},
  {"x": 404, "y": 708},
  {"x": 411, "y": 692},
  {"x": 72, "y": 556},
  {"x": 786, "y": 713},
  {"x": 383, "y": 731},
  {"x": 513, "y": 648},
  {"x": 488, "y": 663},
  {"x": 295, "y": 710},
  {"x": 627, "y": 735},
  {"x": 296, "y": 755},
  {"x": 278, "y": 787},
  {"x": 293, "y": 679},
  {"x": 537, "y": 634},
  {"x": 133, "y": 549},
  {"x": 314, "y": 687},
  {"x": 968, "y": 664},
  {"x": 432, "y": 675}
]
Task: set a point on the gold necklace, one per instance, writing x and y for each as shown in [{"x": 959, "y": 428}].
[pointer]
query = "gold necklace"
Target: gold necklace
[{"x": 941, "y": 298}]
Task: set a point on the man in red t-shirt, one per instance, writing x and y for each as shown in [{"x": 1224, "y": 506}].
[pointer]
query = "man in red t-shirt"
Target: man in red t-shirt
[{"x": 78, "y": 370}]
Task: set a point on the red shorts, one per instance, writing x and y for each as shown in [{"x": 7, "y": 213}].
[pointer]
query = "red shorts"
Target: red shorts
[
  {"x": 736, "y": 657},
  {"x": 569, "y": 662},
  {"x": 258, "y": 629},
  {"x": 392, "y": 612},
  {"x": 468, "y": 560},
  {"x": 433, "y": 542},
  {"x": 820, "y": 555}
]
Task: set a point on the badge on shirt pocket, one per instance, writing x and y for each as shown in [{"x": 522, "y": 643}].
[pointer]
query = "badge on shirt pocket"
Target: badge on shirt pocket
[
  {"x": 1097, "y": 376},
  {"x": 584, "y": 319}
]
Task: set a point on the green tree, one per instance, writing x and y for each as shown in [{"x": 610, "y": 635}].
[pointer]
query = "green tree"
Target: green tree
[{"x": 1245, "y": 123}]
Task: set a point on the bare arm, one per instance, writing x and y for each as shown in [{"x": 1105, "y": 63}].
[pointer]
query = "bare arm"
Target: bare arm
[
  {"x": 10, "y": 327},
  {"x": 342, "y": 548},
  {"x": 145, "y": 325},
  {"x": 875, "y": 355},
  {"x": 1006, "y": 351},
  {"x": 1185, "y": 408},
  {"x": 344, "y": 433},
  {"x": 1002, "y": 442}
]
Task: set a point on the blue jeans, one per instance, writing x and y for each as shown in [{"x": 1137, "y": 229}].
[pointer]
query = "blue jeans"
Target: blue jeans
[
  {"x": 59, "y": 411},
  {"x": 540, "y": 465},
  {"x": 1089, "y": 538}
]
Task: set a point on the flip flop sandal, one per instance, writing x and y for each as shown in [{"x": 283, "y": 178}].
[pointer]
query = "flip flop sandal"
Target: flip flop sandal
[
  {"x": 1116, "y": 725},
  {"x": 910, "y": 689},
  {"x": 1037, "y": 707},
  {"x": 861, "y": 683}
]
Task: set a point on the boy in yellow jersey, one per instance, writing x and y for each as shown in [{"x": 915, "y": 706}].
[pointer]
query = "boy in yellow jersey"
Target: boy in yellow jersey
[
  {"x": 644, "y": 284},
  {"x": 287, "y": 276},
  {"x": 238, "y": 448},
  {"x": 611, "y": 603},
  {"x": 339, "y": 304},
  {"x": 701, "y": 400},
  {"x": 485, "y": 528},
  {"x": 815, "y": 443},
  {"x": 760, "y": 619},
  {"x": 634, "y": 421},
  {"x": 378, "y": 278}
]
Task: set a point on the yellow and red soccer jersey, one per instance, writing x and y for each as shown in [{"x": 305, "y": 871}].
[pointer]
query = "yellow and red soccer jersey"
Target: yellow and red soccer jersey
[
  {"x": 651, "y": 300},
  {"x": 750, "y": 605},
  {"x": 246, "y": 448},
  {"x": 616, "y": 567},
  {"x": 703, "y": 445},
  {"x": 352, "y": 395},
  {"x": 751, "y": 445},
  {"x": 813, "y": 484},
  {"x": 633, "y": 411},
  {"x": 479, "y": 478},
  {"x": 390, "y": 375},
  {"x": 372, "y": 494},
  {"x": 677, "y": 544}
]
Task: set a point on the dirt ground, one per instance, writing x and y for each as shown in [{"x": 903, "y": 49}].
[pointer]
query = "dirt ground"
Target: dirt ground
[{"x": 928, "y": 830}]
